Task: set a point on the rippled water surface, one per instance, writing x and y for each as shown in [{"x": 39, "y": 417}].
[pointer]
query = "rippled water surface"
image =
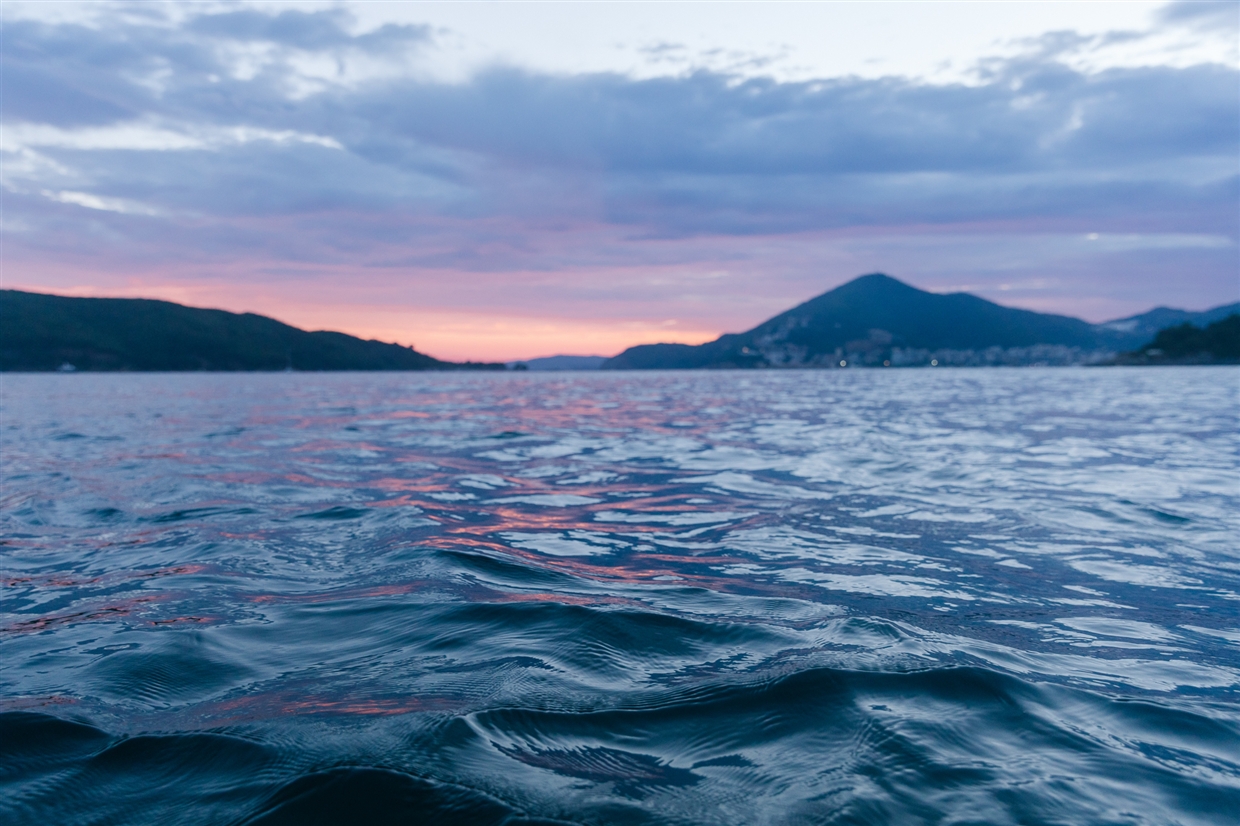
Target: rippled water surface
[{"x": 932, "y": 596}]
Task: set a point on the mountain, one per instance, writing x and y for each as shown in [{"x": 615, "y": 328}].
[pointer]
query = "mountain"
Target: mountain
[
  {"x": 876, "y": 320},
  {"x": 1139, "y": 329},
  {"x": 559, "y": 363},
  {"x": 45, "y": 332},
  {"x": 1216, "y": 343}
]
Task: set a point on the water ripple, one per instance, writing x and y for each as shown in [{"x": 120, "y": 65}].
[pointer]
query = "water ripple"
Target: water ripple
[{"x": 1000, "y": 596}]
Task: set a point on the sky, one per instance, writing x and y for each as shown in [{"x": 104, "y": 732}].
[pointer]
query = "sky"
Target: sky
[{"x": 507, "y": 180}]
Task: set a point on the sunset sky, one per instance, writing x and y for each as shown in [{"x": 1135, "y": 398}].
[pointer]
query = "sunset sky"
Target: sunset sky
[{"x": 501, "y": 180}]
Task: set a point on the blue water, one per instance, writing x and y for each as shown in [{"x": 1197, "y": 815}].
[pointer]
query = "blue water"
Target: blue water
[{"x": 923, "y": 596}]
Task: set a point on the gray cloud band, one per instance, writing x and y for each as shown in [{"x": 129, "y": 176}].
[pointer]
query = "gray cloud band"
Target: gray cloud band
[{"x": 196, "y": 124}]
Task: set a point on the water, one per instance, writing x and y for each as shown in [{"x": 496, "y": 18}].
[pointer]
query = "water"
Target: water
[{"x": 931, "y": 596}]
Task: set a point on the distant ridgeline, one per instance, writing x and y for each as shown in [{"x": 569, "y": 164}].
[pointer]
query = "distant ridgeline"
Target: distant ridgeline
[
  {"x": 876, "y": 321},
  {"x": 48, "y": 332},
  {"x": 1217, "y": 343},
  {"x": 559, "y": 363}
]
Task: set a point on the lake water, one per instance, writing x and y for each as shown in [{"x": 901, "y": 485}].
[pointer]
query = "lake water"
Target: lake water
[{"x": 920, "y": 596}]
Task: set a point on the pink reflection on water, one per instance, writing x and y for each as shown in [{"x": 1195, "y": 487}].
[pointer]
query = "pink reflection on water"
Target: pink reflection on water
[
  {"x": 26, "y": 703},
  {"x": 266, "y": 478},
  {"x": 290, "y": 702},
  {"x": 564, "y": 599},
  {"x": 114, "y": 610},
  {"x": 62, "y": 581},
  {"x": 190, "y": 619}
]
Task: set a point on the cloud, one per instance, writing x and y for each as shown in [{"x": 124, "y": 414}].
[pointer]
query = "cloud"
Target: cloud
[
  {"x": 85, "y": 199},
  {"x": 1202, "y": 14},
  {"x": 310, "y": 31},
  {"x": 249, "y": 136},
  {"x": 147, "y": 136}
]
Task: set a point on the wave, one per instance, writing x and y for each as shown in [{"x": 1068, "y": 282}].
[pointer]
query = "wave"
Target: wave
[
  {"x": 821, "y": 745},
  {"x": 696, "y": 599}
]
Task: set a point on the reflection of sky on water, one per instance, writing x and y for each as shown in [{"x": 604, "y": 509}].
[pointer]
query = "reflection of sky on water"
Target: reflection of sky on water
[{"x": 1077, "y": 525}]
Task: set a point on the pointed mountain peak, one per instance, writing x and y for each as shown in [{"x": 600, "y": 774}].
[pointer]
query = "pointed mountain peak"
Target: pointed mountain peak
[{"x": 876, "y": 283}]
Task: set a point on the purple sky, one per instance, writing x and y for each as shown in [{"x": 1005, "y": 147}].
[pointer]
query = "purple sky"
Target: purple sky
[{"x": 407, "y": 173}]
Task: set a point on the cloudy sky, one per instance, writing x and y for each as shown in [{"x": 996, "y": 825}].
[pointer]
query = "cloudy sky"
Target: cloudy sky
[{"x": 504, "y": 180}]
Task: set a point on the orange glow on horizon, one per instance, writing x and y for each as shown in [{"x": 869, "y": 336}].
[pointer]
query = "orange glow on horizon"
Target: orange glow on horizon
[
  {"x": 446, "y": 333},
  {"x": 481, "y": 337}
]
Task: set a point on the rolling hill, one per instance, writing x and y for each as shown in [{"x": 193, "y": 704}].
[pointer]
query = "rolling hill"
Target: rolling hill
[{"x": 47, "y": 332}]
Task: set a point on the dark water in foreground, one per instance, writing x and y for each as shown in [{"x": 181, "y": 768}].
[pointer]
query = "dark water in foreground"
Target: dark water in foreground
[{"x": 988, "y": 596}]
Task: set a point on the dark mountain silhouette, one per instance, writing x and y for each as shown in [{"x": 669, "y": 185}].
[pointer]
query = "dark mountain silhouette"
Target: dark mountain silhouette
[
  {"x": 46, "y": 332},
  {"x": 1217, "y": 343},
  {"x": 1139, "y": 329},
  {"x": 875, "y": 320},
  {"x": 559, "y": 363}
]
